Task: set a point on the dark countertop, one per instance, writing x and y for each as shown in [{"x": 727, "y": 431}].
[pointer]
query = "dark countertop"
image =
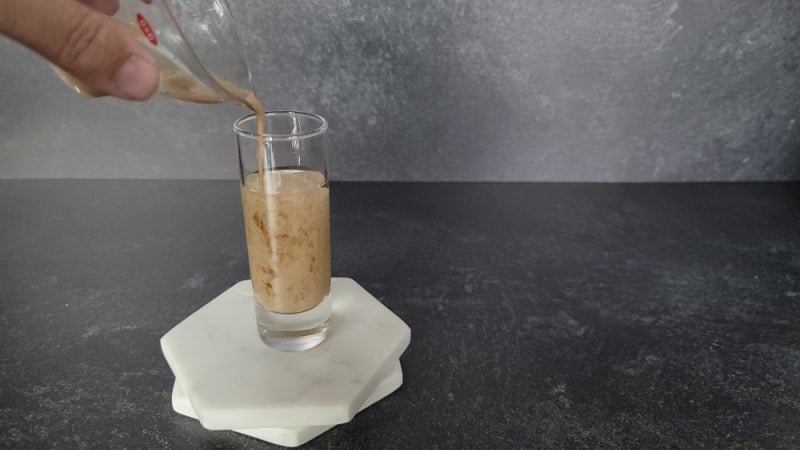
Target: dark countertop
[{"x": 542, "y": 315}]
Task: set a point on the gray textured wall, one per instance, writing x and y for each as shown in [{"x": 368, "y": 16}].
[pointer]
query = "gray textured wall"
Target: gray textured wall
[{"x": 633, "y": 90}]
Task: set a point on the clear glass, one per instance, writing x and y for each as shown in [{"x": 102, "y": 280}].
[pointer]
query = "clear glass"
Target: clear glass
[
  {"x": 286, "y": 211},
  {"x": 195, "y": 44}
]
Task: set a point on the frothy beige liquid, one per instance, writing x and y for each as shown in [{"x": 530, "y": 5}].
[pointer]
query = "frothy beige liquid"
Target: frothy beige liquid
[
  {"x": 286, "y": 215},
  {"x": 286, "y": 212},
  {"x": 287, "y": 225}
]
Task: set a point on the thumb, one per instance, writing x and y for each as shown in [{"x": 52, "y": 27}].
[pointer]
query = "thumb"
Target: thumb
[{"x": 86, "y": 44}]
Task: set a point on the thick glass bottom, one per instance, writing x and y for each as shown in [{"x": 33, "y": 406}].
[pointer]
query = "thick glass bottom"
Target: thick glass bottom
[{"x": 294, "y": 332}]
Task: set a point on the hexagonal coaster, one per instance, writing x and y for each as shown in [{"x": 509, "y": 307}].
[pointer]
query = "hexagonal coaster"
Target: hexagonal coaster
[
  {"x": 292, "y": 437},
  {"x": 234, "y": 381}
]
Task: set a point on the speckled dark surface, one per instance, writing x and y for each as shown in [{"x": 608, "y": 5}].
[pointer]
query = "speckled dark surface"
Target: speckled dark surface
[{"x": 543, "y": 315}]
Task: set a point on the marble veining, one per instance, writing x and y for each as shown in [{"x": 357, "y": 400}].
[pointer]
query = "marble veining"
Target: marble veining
[
  {"x": 234, "y": 381},
  {"x": 295, "y": 436}
]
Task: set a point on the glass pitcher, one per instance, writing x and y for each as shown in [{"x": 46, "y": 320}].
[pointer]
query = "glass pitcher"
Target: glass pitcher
[{"x": 195, "y": 45}]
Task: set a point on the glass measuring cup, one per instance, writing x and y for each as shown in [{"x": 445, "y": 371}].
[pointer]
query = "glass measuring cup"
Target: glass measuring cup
[{"x": 195, "y": 45}]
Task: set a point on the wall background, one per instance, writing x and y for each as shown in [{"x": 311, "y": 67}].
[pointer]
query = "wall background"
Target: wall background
[{"x": 540, "y": 90}]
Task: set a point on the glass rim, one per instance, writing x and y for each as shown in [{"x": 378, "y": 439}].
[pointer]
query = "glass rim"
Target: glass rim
[{"x": 238, "y": 126}]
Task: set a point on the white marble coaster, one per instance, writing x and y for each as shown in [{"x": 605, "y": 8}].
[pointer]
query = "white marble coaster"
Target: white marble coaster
[
  {"x": 292, "y": 437},
  {"x": 234, "y": 381}
]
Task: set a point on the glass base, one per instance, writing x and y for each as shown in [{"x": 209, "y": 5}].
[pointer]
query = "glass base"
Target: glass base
[{"x": 294, "y": 332}]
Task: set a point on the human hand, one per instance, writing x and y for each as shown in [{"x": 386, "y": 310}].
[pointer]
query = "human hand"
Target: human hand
[{"x": 80, "y": 38}]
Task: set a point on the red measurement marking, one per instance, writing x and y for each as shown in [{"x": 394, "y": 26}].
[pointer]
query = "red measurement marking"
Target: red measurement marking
[{"x": 147, "y": 30}]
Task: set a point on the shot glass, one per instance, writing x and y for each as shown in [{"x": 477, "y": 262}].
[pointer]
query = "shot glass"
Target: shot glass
[{"x": 286, "y": 207}]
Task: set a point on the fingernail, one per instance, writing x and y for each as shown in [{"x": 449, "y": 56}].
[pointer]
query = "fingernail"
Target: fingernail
[{"x": 137, "y": 79}]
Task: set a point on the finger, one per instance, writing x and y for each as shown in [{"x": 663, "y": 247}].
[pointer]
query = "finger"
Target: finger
[
  {"x": 83, "y": 42},
  {"x": 107, "y": 7}
]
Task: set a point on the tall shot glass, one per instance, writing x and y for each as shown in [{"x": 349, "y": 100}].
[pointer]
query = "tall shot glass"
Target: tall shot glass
[{"x": 286, "y": 207}]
